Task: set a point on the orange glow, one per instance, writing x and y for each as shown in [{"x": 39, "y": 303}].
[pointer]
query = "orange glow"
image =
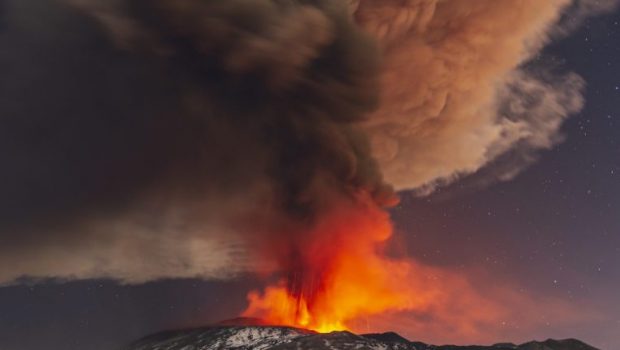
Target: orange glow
[
  {"x": 339, "y": 277},
  {"x": 338, "y": 273}
]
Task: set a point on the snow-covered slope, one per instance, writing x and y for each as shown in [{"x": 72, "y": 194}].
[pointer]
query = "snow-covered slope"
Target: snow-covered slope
[
  {"x": 214, "y": 338},
  {"x": 287, "y": 338}
]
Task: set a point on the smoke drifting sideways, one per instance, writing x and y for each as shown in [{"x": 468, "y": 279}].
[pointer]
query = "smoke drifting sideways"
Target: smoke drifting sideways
[{"x": 149, "y": 139}]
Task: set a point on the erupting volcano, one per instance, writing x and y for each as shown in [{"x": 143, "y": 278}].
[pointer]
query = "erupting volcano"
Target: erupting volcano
[
  {"x": 215, "y": 140},
  {"x": 337, "y": 273}
]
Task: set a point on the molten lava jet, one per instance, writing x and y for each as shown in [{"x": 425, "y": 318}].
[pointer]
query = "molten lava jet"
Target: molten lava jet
[{"x": 336, "y": 273}]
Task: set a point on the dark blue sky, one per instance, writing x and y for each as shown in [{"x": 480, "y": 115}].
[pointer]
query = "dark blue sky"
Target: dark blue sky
[{"x": 554, "y": 231}]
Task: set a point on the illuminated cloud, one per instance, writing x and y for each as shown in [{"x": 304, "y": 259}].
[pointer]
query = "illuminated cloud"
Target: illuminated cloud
[{"x": 461, "y": 86}]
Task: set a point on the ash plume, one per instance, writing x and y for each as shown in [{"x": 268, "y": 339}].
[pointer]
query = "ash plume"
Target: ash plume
[
  {"x": 457, "y": 92},
  {"x": 154, "y": 139},
  {"x": 192, "y": 117}
]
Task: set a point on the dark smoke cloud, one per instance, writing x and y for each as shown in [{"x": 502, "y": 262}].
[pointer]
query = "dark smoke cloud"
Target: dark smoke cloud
[
  {"x": 143, "y": 139},
  {"x": 137, "y": 134}
]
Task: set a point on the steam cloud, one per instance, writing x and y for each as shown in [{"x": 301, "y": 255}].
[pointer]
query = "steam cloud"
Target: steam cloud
[{"x": 145, "y": 139}]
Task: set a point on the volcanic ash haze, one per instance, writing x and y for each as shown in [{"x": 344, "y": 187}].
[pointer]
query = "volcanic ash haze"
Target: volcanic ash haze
[{"x": 205, "y": 127}]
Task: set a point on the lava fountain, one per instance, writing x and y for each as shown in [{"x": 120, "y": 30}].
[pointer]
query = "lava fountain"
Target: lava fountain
[{"x": 338, "y": 273}]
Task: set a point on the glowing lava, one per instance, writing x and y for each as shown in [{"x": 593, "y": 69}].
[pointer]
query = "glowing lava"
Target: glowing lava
[{"x": 337, "y": 273}]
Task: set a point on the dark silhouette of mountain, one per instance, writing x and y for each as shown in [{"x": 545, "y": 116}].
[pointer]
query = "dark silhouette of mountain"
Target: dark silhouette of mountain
[
  {"x": 252, "y": 334},
  {"x": 387, "y": 337},
  {"x": 551, "y": 344}
]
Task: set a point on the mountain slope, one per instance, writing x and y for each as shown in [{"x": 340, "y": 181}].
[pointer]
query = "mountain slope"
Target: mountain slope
[{"x": 256, "y": 337}]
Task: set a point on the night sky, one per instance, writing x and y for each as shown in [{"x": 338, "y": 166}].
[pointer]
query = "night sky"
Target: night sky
[{"x": 553, "y": 232}]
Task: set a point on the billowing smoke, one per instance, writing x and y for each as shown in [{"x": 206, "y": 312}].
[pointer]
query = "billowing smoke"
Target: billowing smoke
[
  {"x": 144, "y": 139},
  {"x": 195, "y": 118}
]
